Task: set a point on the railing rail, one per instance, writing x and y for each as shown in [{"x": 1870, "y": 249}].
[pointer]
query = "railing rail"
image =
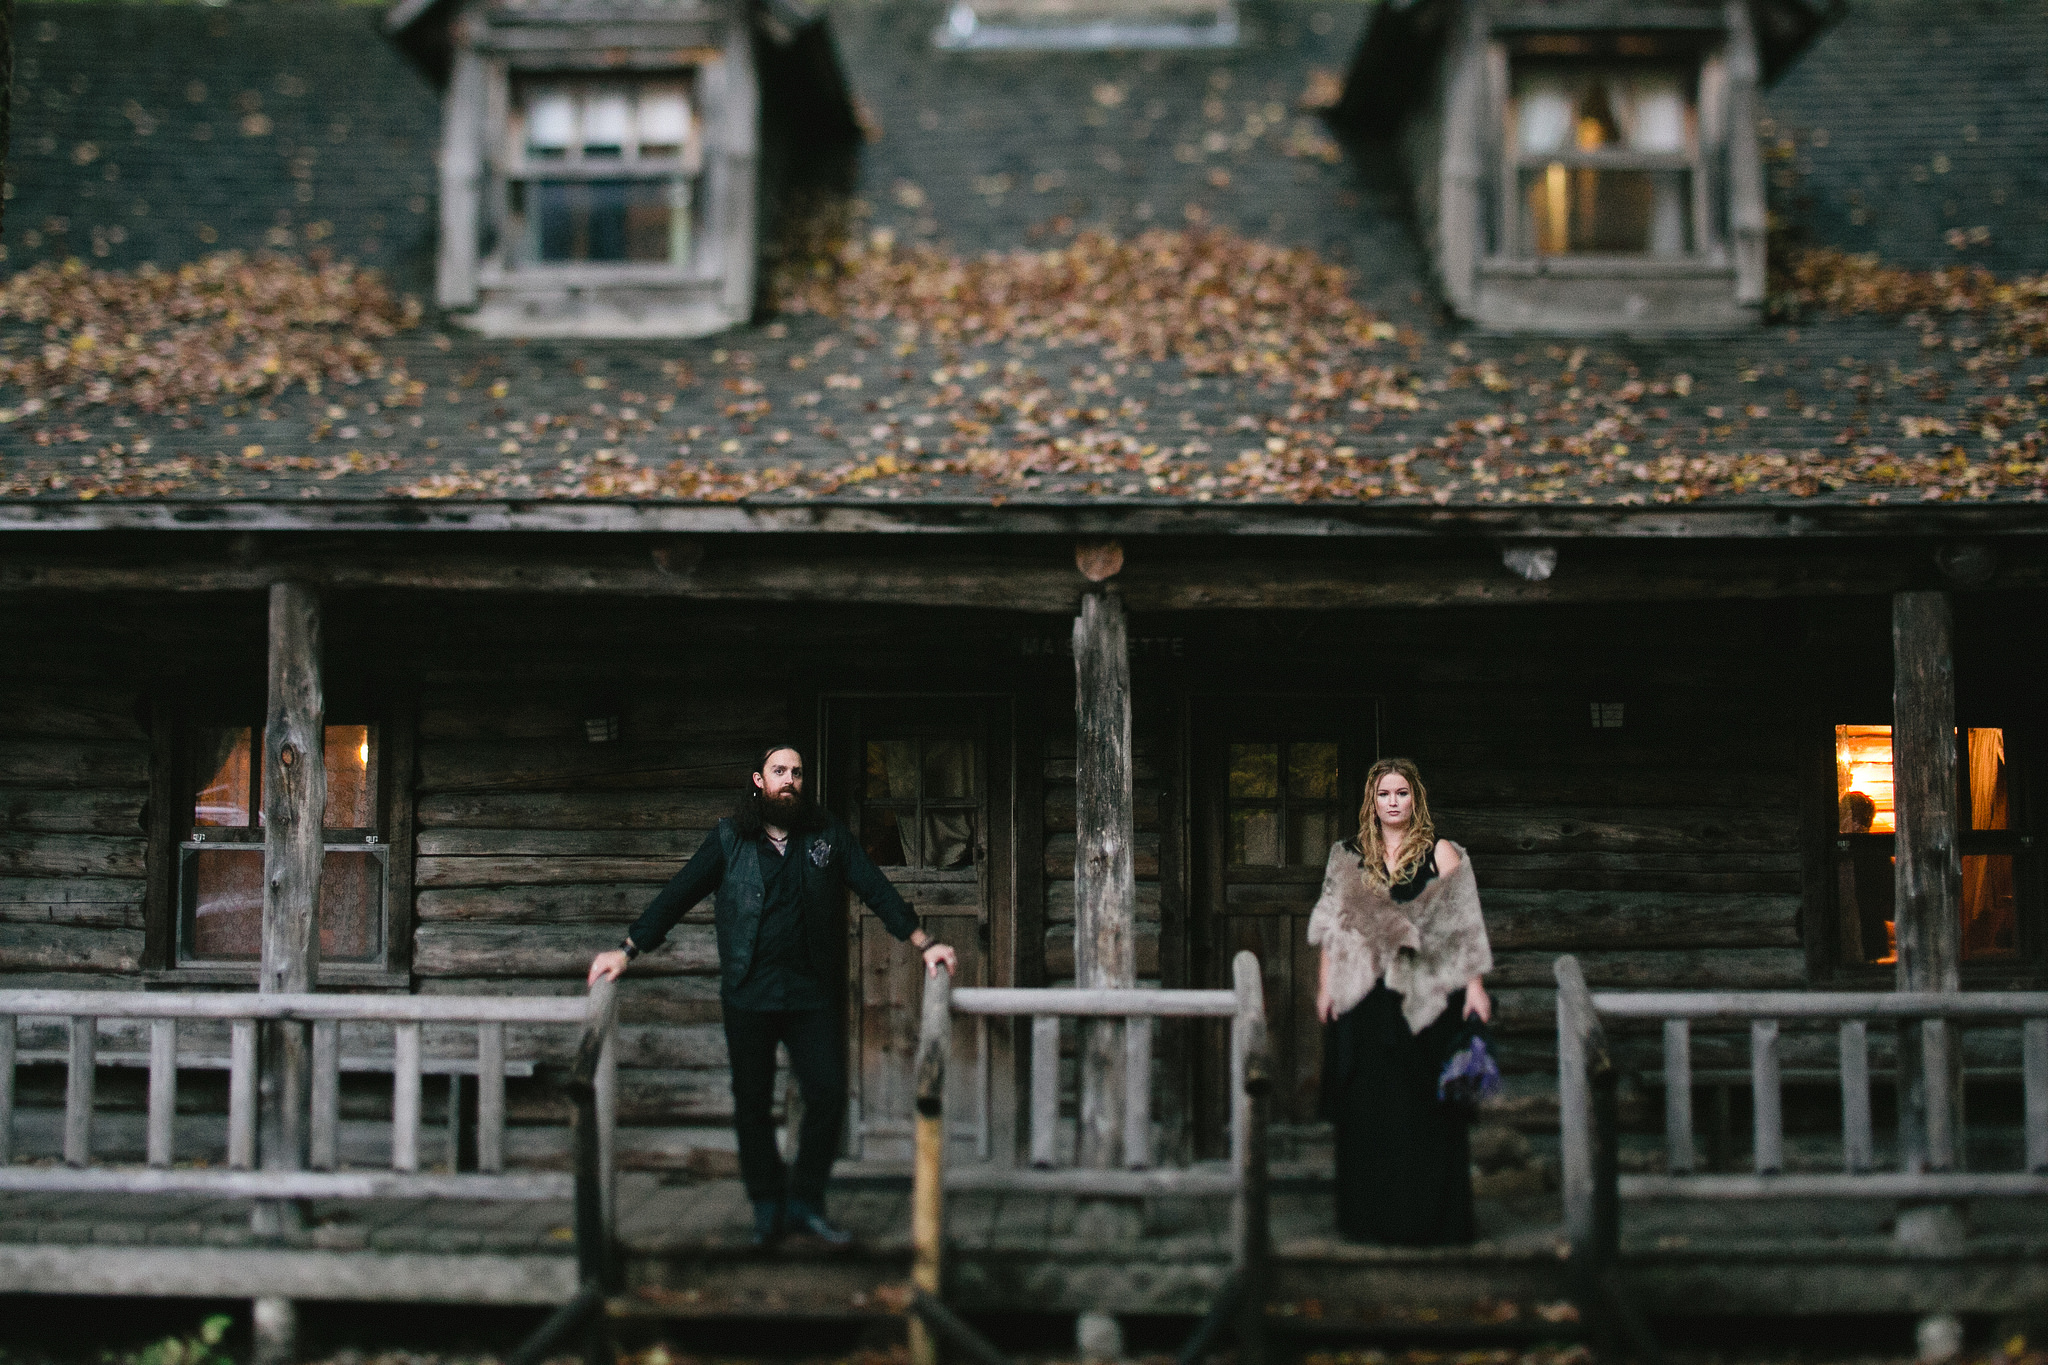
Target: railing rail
[
  {"x": 242, "y": 1012},
  {"x": 1937, "y": 1016},
  {"x": 1242, "y": 1178}
]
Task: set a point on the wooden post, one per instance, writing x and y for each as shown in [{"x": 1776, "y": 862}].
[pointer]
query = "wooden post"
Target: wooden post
[
  {"x": 1251, "y": 1106},
  {"x": 1679, "y": 1158},
  {"x": 1105, "y": 882},
  {"x": 294, "y": 812},
  {"x": 1928, "y": 871},
  {"x": 163, "y": 1089},
  {"x": 1767, "y": 1145},
  {"x": 1857, "y": 1144},
  {"x": 78, "y": 1092},
  {"x": 928, "y": 1176},
  {"x": 7, "y": 1089}
]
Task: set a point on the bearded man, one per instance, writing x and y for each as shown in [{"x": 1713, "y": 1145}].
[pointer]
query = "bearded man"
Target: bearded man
[{"x": 777, "y": 870}]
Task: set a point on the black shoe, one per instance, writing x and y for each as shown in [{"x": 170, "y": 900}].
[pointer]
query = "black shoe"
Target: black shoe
[
  {"x": 770, "y": 1222},
  {"x": 809, "y": 1221}
]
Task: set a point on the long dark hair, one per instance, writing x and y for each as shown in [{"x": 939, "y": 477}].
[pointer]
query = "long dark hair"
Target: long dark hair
[{"x": 749, "y": 815}]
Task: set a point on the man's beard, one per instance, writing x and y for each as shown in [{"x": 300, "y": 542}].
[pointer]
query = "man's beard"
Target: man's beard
[{"x": 787, "y": 811}]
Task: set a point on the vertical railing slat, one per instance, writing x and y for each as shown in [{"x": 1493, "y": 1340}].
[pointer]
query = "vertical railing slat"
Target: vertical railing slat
[
  {"x": 1935, "y": 1039},
  {"x": 606, "y": 1084},
  {"x": 1858, "y": 1150},
  {"x": 163, "y": 1089},
  {"x": 405, "y": 1097},
  {"x": 1240, "y": 1111},
  {"x": 242, "y": 1094},
  {"x": 2034, "y": 1071},
  {"x": 490, "y": 1097},
  {"x": 78, "y": 1087},
  {"x": 1767, "y": 1096},
  {"x": 1138, "y": 1093},
  {"x": 1678, "y": 1149},
  {"x": 1045, "y": 1090},
  {"x": 325, "y": 1104},
  {"x": 6, "y": 1088}
]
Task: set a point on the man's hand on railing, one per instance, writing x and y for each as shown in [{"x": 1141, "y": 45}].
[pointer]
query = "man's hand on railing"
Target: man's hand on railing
[
  {"x": 937, "y": 955},
  {"x": 607, "y": 966}
]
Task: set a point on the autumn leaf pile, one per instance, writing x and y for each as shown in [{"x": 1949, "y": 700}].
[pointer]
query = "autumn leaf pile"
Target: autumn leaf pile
[{"x": 228, "y": 325}]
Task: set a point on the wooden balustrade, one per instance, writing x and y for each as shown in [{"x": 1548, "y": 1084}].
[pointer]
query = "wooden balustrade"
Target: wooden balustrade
[
  {"x": 83, "y": 1011},
  {"x": 1936, "y": 1015}
]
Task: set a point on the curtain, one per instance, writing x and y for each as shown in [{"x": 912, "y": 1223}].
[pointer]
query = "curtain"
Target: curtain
[
  {"x": 1649, "y": 109},
  {"x": 1545, "y": 109}
]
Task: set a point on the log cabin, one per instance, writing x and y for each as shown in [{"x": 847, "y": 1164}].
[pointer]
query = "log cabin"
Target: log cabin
[{"x": 1640, "y": 581}]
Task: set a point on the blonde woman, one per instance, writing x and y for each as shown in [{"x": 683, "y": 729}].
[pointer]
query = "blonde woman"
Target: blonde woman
[{"x": 1403, "y": 950}]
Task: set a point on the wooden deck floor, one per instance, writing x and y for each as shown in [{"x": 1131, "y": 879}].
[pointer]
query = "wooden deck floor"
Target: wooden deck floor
[{"x": 687, "y": 1254}]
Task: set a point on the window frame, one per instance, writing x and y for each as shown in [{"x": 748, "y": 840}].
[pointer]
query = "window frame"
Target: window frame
[
  {"x": 177, "y": 722},
  {"x": 518, "y": 230},
  {"x": 2018, "y": 840},
  {"x": 1514, "y": 235},
  {"x": 505, "y": 261}
]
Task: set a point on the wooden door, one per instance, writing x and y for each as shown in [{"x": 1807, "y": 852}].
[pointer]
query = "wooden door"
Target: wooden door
[
  {"x": 913, "y": 777},
  {"x": 1276, "y": 782}
]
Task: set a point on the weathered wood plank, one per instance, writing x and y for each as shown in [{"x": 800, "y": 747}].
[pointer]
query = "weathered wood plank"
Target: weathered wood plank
[
  {"x": 25, "y": 854},
  {"x": 324, "y": 1150},
  {"x": 78, "y": 1090},
  {"x": 594, "y": 810},
  {"x": 242, "y": 1095},
  {"x": 540, "y": 950},
  {"x": 642, "y": 999},
  {"x": 59, "y": 948},
  {"x": 1566, "y": 782},
  {"x": 1857, "y": 1147},
  {"x": 1045, "y": 1090},
  {"x": 693, "y": 716},
  {"x": 74, "y": 763},
  {"x": 1678, "y": 1149},
  {"x": 561, "y": 843},
  {"x": 163, "y": 1089},
  {"x": 490, "y": 1097},
  {"x": 616, "y": 905},
  {"x": 546, "y": 871},
  {"x": 1677, "y": 969},
  {"x": 81, "y": 902},
  {"x": 1105, "y": 928},
  {"x": 577, "y": 764},
  {"x": 1766, "y": 1094},
  {"x": 60, "y": 811},
  {"x": 6, "y": 1089},
  {"x": 1059, "y": 952},
  {"x": 2034, "y": 1070},
  {"x": 32, "y": 710},
  {"x": 405, "y": 1099},
  {"x": 1059, "y": 901},
  {"x": 1062, "y": 804},
  {"x": 1696, "y": 829}
]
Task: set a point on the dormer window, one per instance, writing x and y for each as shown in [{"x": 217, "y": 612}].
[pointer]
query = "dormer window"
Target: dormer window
[
  {"x": 604, "y": 171},
  {"x": 607, "y": 165},
  {"x": 1603, "y": 159}
]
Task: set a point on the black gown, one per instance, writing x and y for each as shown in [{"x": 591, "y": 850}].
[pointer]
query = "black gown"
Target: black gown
[{"x": 1404, "y": 1157}]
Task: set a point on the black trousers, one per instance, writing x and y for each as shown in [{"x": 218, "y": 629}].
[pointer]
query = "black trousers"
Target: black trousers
[{"x": 817, "y": 1055}]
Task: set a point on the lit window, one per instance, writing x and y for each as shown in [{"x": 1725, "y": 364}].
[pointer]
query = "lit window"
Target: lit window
[
  {"x": 220, "y": 899},
  {"x": 1865, "y": 844},
  {"x": 1603, "y": 153},
  {"x": 605, "y": 171}
]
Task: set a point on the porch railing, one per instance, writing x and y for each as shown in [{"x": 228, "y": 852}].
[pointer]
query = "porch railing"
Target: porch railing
[
  {"x": 1587, "y": 1074},
  {"x": 1242, "y": 1178},
  {"x": 236, "y": 1174}
]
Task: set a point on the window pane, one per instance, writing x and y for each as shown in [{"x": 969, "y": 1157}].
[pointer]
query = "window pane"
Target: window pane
[
  {"x": 1312, "y": 771},
  {"x": 949, "y": 769},
  {"x": 1990, "y": 911},
  {"x": 881, "y": 835},
  {"x": 1989, "y": 806},
  {"x": 664, "y": 120},
  {"x": 1863, "y": 779},
  {"x": 1255, "y": 837},
  {"x": 609, "y": 220},
  {"x": 351, "y": 902},
  {"x": 1255, "y": 771},
  {"x": 948, "y": 838},
  {"x": 224, "y": 795},
  {"x": 892, "y": 770},
  {"x": 1865, "y": 891},
  {"x": 351, "y": 792},
  {"x": 227, "y": 903},
  {"x": 607, "y": 122},
  {"x": 1579, "y": 209},
  {"x": 550, "y": 123},
  {"x": 1310, "y": 832}
]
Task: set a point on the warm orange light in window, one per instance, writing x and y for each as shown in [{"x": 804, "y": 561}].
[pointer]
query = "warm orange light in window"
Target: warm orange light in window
[
  {"x": 363, "y": 753},
  {"x": 1863, "y": 767}
]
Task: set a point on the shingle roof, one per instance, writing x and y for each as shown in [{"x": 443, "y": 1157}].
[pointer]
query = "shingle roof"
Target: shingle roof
[{"x": 981, "y": 152}]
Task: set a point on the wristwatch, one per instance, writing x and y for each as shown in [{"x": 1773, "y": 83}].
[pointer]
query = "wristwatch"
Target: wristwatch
[{"x": 629, "y": 948}]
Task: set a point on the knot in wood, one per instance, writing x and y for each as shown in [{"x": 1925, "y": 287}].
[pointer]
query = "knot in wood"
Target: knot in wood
[{"x": 288, "y": 755}]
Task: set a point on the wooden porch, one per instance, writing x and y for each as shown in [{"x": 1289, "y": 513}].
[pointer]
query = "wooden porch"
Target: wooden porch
[{"x": 684, "y": 1243}]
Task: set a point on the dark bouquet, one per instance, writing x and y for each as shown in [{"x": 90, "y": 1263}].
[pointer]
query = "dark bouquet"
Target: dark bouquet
[{"x": 1471, "y": 1074}]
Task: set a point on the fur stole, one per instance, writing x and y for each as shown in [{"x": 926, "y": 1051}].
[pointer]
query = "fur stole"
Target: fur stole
[{"x": 1425, "y": 949}]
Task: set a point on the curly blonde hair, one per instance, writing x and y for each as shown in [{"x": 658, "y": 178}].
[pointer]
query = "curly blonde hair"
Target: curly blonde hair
[{"x": 1415, "y": 844}]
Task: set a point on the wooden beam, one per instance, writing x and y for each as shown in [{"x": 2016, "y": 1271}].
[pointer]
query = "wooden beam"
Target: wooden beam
[
  {"x": 294, "y": 809},
  {"x": 1928, "y": 866},
  {"x": 1105, "y": 879}
]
